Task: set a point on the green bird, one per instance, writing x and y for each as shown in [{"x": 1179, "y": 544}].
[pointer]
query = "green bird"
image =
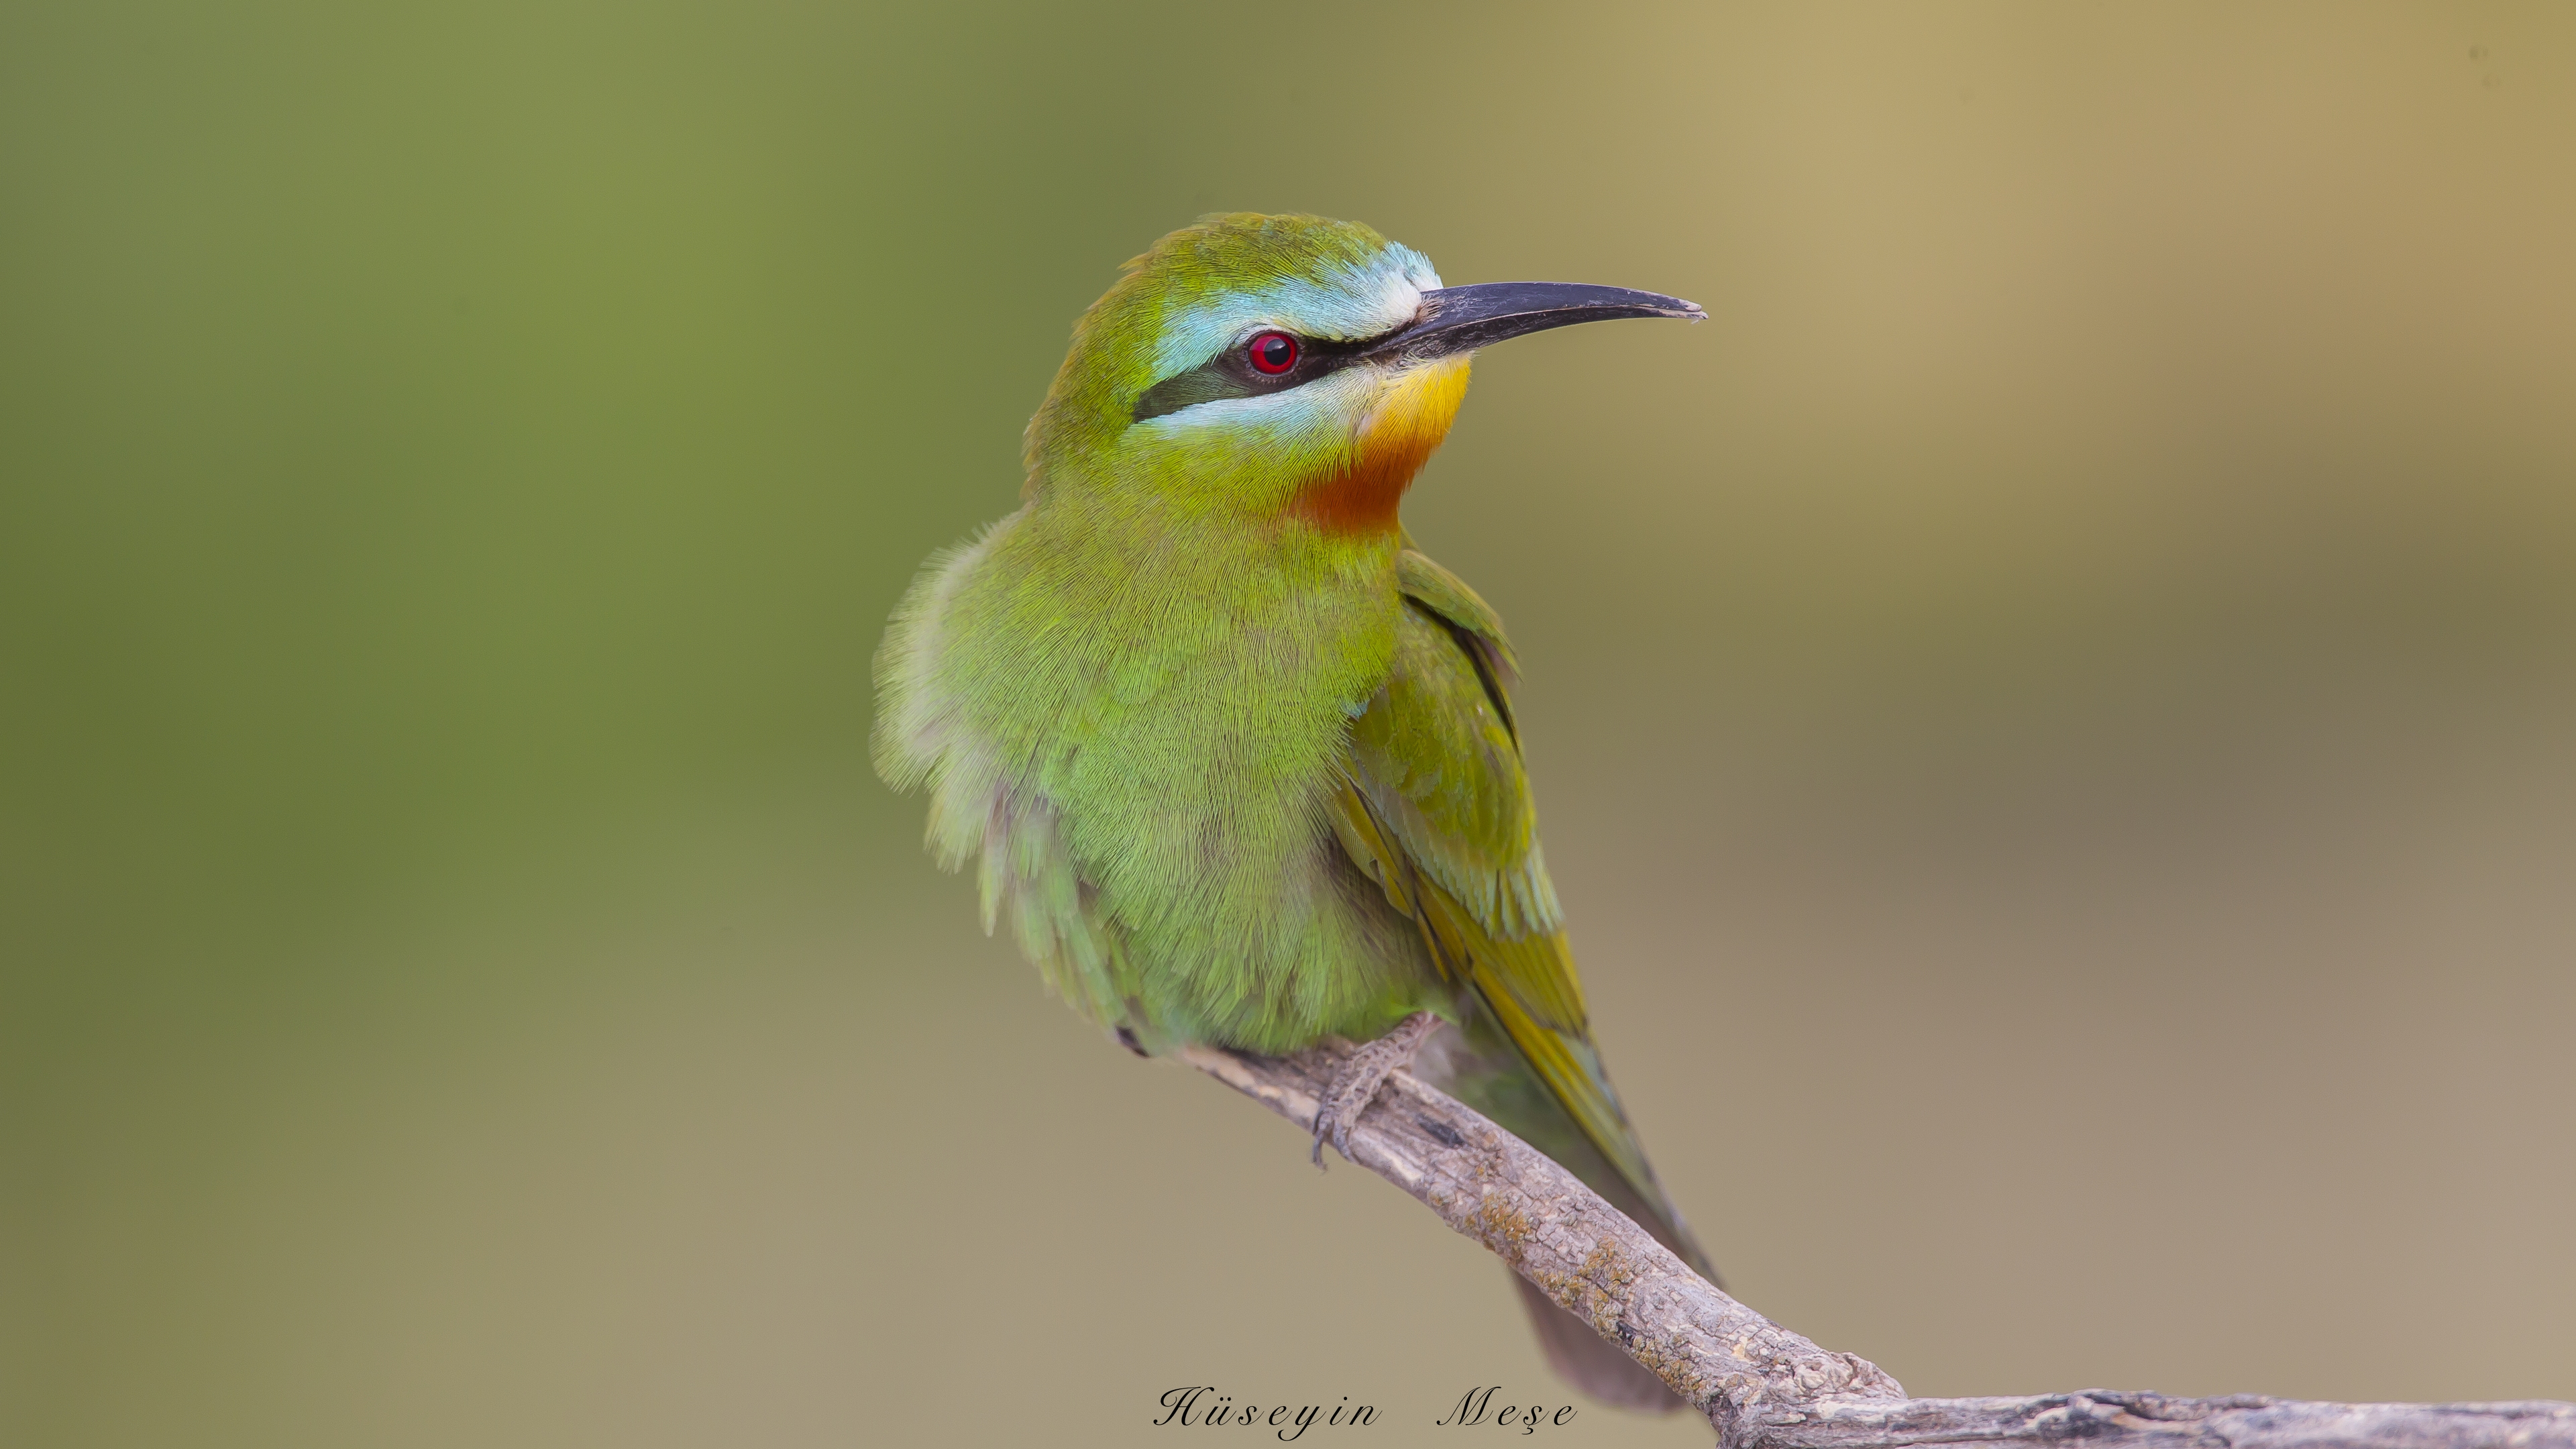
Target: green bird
[{"x": 1237, "y": 762}]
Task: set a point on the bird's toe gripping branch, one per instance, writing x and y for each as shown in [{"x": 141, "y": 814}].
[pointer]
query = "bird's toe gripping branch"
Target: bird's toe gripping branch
[{"x": 1356, "y": 1081}]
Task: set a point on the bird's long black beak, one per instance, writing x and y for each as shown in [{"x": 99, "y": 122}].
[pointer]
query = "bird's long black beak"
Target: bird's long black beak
[{"x": 1459, "y": 319}]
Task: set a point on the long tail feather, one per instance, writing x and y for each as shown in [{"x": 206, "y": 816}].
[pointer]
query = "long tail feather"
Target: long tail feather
[{"x": 1590, "y": 1362}]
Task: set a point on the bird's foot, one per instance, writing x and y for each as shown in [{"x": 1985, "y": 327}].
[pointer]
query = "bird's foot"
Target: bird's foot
[{"x": 1356, "y": 1081}]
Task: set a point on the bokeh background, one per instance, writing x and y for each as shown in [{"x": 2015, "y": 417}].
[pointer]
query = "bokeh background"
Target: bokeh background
[{"x": 2055, "y": 711}]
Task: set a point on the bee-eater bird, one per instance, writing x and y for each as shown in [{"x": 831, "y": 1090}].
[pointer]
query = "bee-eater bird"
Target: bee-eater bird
[{"x": 1237, "y": 761}]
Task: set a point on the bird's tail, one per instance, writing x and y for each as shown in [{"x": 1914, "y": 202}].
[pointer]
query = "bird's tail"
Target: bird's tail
[
  {"x": 1590, "y": 1362},
  {"x": 1483, "y": 1068}
]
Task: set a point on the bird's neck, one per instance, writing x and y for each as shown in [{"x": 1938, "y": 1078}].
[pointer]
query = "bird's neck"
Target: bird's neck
[{"x": 1204, "y": 563}]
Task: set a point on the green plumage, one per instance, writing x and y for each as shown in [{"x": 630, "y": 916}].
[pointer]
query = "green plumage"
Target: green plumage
[{"x": 1238, "y": 766}]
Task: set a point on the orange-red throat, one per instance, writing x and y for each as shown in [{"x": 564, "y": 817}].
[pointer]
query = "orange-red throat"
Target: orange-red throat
[{"x": 1392, "y": 442}]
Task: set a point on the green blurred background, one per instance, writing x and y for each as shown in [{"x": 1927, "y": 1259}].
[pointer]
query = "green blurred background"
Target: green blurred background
[{"x": 2055, "y": 711}]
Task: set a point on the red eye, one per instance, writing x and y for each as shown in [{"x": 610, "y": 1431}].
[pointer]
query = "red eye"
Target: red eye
[{"x": 1272, "y": 353}]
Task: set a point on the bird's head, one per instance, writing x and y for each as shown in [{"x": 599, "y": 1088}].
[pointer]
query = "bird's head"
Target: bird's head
[{"x": 1281, "y": 367}]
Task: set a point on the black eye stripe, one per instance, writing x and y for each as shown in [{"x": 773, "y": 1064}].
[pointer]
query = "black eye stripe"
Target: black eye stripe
[{"x": 1231, "y": 373}]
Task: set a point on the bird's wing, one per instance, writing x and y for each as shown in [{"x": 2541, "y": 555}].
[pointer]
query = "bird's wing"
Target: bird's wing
[{"x": 1435, "y": 807}]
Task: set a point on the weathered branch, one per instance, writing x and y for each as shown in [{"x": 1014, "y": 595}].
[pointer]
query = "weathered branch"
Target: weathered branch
[{"x": 1762, "y": 1386}]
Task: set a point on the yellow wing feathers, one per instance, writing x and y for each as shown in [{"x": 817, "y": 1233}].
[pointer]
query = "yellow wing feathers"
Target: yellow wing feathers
[{"x": 1528, "y": 986}]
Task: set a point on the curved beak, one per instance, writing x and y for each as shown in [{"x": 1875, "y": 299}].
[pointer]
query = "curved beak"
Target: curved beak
[{"x": 1460, "y": 319}]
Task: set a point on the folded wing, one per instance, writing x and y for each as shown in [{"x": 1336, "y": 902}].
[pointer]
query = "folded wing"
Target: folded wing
[{"x": 1435, "y": 807}]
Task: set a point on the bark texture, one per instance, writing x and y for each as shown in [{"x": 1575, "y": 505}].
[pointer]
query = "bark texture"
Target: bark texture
[{"x": 1762, "y": 1386}]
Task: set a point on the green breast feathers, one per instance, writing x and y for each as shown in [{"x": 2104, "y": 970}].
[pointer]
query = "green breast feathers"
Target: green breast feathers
[{"x": 1218, "y": 905}]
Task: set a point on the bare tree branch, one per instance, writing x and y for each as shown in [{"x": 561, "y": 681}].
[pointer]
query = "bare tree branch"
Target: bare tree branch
[{"x": 1762, "y": 1386}]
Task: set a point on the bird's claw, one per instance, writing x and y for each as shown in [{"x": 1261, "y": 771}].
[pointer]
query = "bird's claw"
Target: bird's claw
[{"x": 1356, "y": 1081}]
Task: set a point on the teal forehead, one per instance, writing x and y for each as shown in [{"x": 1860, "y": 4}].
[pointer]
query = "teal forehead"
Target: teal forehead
[{"x": 1341, "y": 300}]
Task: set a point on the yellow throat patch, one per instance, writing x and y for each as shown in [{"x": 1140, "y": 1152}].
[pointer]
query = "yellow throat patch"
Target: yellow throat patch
[{"x": 1388, "y": 447}]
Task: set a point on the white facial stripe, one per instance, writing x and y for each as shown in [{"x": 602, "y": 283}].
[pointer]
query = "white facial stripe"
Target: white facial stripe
[{"x": 1349, "y": 303}]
